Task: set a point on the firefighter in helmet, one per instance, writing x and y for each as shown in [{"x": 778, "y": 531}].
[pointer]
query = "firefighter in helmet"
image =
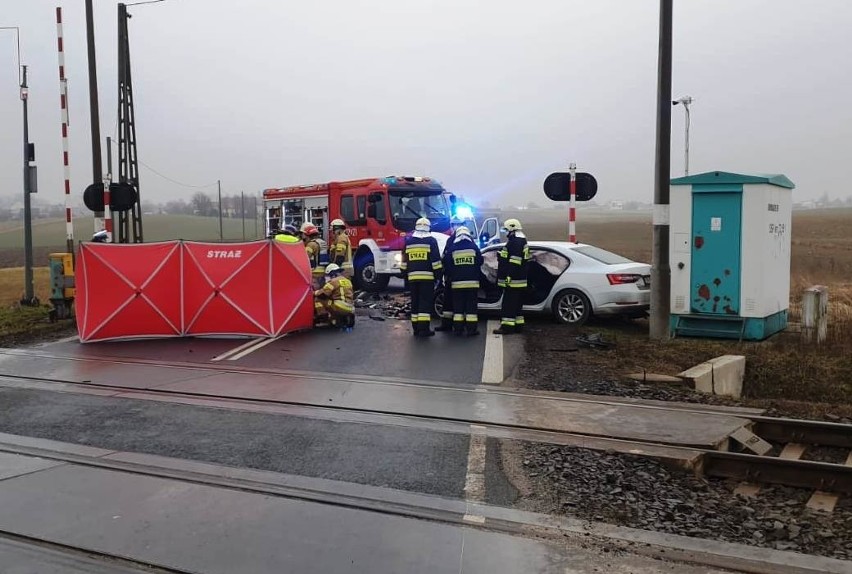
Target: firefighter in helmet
[
  {"x": 447, "y": 309},
  {"x": 340, "y": 251},
  {"x": 462, "y": 262},
  {"x": 512, "y": 267},
  {"x": 421, "y": 267},
  {"x": 288, "y": 235},
  {"x": 313, "y": 247},
  {"x": 334, "y": 303}
]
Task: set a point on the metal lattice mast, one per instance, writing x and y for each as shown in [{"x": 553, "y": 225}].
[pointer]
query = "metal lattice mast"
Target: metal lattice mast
[{"x": 130, "y": 222}]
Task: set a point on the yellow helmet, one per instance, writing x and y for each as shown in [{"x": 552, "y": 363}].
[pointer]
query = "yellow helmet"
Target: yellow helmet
[
  {"x": 512, "y": 225},
  {"x": 423, "y": 224}
]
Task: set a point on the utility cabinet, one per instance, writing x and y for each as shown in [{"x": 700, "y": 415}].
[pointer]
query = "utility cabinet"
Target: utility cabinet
[{"x": 730, "y": 254}]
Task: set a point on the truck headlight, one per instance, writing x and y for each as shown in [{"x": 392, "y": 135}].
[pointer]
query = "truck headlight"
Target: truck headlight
[{"x": 397, "y": 258}]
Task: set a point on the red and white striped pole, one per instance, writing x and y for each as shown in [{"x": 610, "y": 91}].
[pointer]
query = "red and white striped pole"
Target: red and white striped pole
[
  {"x": 63, "y": 101},
  {"x": 572, "y": 210}
]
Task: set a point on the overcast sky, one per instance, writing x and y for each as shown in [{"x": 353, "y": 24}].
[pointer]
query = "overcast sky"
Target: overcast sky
[{"x": 488, "y": 96}]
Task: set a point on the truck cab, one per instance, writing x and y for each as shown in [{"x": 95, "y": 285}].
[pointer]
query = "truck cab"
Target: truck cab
[{"x": 378, "y": 212}]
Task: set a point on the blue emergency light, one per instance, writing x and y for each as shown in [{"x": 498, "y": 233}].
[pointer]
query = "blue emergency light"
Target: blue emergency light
[{"x": 464, "y": 212}]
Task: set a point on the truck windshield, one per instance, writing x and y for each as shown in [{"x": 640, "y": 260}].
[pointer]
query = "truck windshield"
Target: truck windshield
[{"x": 407, "y": 206}]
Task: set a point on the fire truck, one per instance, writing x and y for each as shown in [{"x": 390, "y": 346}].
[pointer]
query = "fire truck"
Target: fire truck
[{"x": 379, "y": 213}]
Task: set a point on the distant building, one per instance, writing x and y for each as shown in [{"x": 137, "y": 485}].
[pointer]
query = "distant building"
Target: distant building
[{"x": 616, "y": 205}]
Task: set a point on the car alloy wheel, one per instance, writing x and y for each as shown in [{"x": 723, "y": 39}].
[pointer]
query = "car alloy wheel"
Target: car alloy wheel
[{"x": 572, "y": 308}]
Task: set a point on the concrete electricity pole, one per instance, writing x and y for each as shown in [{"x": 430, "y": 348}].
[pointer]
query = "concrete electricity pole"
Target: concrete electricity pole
[
  {"x": 97, "y": 166},
  {"x": 29, "y": 187},
  {"x": 219, "y": 184},
  {"x": 660, "y": 270}
]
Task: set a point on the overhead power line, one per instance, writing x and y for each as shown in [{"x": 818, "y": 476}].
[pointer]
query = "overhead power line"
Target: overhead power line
[{"x": 176, "y": 182}]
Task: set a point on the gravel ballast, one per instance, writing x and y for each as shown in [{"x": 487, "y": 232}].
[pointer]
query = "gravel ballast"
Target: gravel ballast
[{"x": 642, "y": 493}]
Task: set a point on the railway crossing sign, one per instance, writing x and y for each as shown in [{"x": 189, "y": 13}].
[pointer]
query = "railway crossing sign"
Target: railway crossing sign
[{"x": 556, "y": 186}]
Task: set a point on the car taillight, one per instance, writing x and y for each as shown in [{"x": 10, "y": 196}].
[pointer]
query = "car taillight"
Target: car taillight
[{"x": 622, "y": 278}]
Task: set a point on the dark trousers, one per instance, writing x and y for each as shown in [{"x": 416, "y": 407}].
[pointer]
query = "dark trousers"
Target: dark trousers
[
  {"x": 422, "y": 298},
  {"x": 464, "y": 310},
  {"x": 447, "y": 311},
  {"x": 511, "y": 315}
]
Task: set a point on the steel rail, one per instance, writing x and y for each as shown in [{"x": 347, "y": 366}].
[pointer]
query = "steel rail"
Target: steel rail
[
  {"x": 86, "y": 556},
  {"x": 772, "y": 470},
  {"x": 807, "y": 432},
  {"x": 763, "y": 469}
]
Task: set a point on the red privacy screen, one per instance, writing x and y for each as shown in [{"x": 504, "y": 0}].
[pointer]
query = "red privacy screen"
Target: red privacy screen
[{"x": 181, "y": 288}]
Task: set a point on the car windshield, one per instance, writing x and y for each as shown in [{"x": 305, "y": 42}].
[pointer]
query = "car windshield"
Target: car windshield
[
  {"x": 602, "y": 255},
  {"x": 407, "y": 206}
]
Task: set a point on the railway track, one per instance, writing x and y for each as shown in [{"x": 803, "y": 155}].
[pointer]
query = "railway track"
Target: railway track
[{"x": 825, "y": 478}]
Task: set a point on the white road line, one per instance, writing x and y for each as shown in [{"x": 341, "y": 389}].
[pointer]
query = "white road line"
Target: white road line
[
  {"x": 474, "y": 480},
  {"x": 230, "y": 352},
  {"x": 492, "y": 363},
  {"x": 256, "y": 347}
]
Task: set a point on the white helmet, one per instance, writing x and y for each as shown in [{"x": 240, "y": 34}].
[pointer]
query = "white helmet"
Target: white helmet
[
  {"x": 338, "y": 223},
  {"x": 423, "y": 224},
  {"x": 512, "y": 225},
  {"x": 462, "y": 231},
  {"x": 332, "y": 268}
]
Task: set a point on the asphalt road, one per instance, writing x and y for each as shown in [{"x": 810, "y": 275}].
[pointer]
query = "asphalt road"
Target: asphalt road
[{"x": 396, "y": 457}]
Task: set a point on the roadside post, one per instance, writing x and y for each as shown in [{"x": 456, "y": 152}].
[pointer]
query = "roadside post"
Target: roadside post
[
  {"x": 572, "y": 206},
  {"x": 571, "y": 186}
]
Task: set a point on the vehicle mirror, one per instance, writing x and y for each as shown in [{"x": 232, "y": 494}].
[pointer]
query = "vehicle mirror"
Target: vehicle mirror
[{"x": 374, "y": 197}]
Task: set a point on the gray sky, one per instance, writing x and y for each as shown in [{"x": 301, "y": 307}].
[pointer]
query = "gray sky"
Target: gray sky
[{"x": 488, "y": 96}]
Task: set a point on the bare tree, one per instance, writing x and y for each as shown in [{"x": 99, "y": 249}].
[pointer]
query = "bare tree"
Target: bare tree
[{"x": 202, "y": 205}]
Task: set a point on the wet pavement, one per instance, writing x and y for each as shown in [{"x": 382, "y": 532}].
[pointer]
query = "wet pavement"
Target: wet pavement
[{"x": 187, "y": 526}]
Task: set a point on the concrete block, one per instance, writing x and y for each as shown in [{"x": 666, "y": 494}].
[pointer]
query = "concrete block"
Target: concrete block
[{"x": 720, "y": 376}]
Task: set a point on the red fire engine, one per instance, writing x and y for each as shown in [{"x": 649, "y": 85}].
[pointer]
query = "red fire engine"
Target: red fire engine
[{"x": 379, "y": 213}]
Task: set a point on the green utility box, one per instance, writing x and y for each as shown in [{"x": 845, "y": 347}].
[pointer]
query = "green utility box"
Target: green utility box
[{"x": 61, "y": 285}]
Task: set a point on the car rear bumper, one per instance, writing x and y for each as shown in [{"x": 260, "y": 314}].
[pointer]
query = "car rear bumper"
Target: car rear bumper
[{"x": 624, "y": 303}]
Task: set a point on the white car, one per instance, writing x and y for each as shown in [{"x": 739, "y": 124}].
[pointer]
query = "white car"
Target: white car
[{"x": 573, "y": 281}]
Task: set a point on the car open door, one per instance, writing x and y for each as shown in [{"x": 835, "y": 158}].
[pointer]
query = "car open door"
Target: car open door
[{"x": 489, "y": 232}]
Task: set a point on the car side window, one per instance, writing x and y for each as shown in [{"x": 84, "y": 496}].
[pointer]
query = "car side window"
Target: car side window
[
  {"x": 553, "y": 263},
  {"x": 489, "y": 265}
]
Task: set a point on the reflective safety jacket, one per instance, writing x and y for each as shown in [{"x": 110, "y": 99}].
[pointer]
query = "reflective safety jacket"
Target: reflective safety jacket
[
  {"x": 421, "y": 257},
  {"x": 314, "y": 251},
  {"x": 513, "y": 262},
  {"x": 339, "y": 291},
  {"x": 284, "y": 238},
  {"x": 462, "y": 262},
  {"x": 341, "y": 252}
]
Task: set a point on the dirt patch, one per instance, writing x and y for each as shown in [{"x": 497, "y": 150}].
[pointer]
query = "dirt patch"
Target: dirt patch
[
  {"x": 782, "y": 376},
  {"x": 20, "y": 326}
]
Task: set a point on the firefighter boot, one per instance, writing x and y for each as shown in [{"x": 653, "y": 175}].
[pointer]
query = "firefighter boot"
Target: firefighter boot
[{"x": 504, "y": 330}]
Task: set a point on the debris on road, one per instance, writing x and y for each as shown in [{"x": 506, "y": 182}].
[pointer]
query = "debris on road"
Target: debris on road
[
  {"x": 390, "y": 305},
  {"x": 595, "y": 340}
]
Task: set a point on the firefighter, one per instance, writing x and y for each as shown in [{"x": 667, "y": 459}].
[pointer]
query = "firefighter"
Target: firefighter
[
  {"x": 512, "y": 277},
  {"x": 288, "y": 235},
  {"x": 462, "y": 261},
  {"x": 340, "y": 251},
  {"x": 421, "y": 262},
  {"x": 334, "y": 302},
  {"x": 447, "y": 309},
  {"x": 313, "y": 248}
]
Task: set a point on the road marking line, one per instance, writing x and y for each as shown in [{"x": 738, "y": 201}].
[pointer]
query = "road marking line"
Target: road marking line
[
  {"x": 261, "y": 344},
  {"x": 492, "y": 362},
  {"x": 474, "y": 480},
  {"x": 230, "y": 352}
]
